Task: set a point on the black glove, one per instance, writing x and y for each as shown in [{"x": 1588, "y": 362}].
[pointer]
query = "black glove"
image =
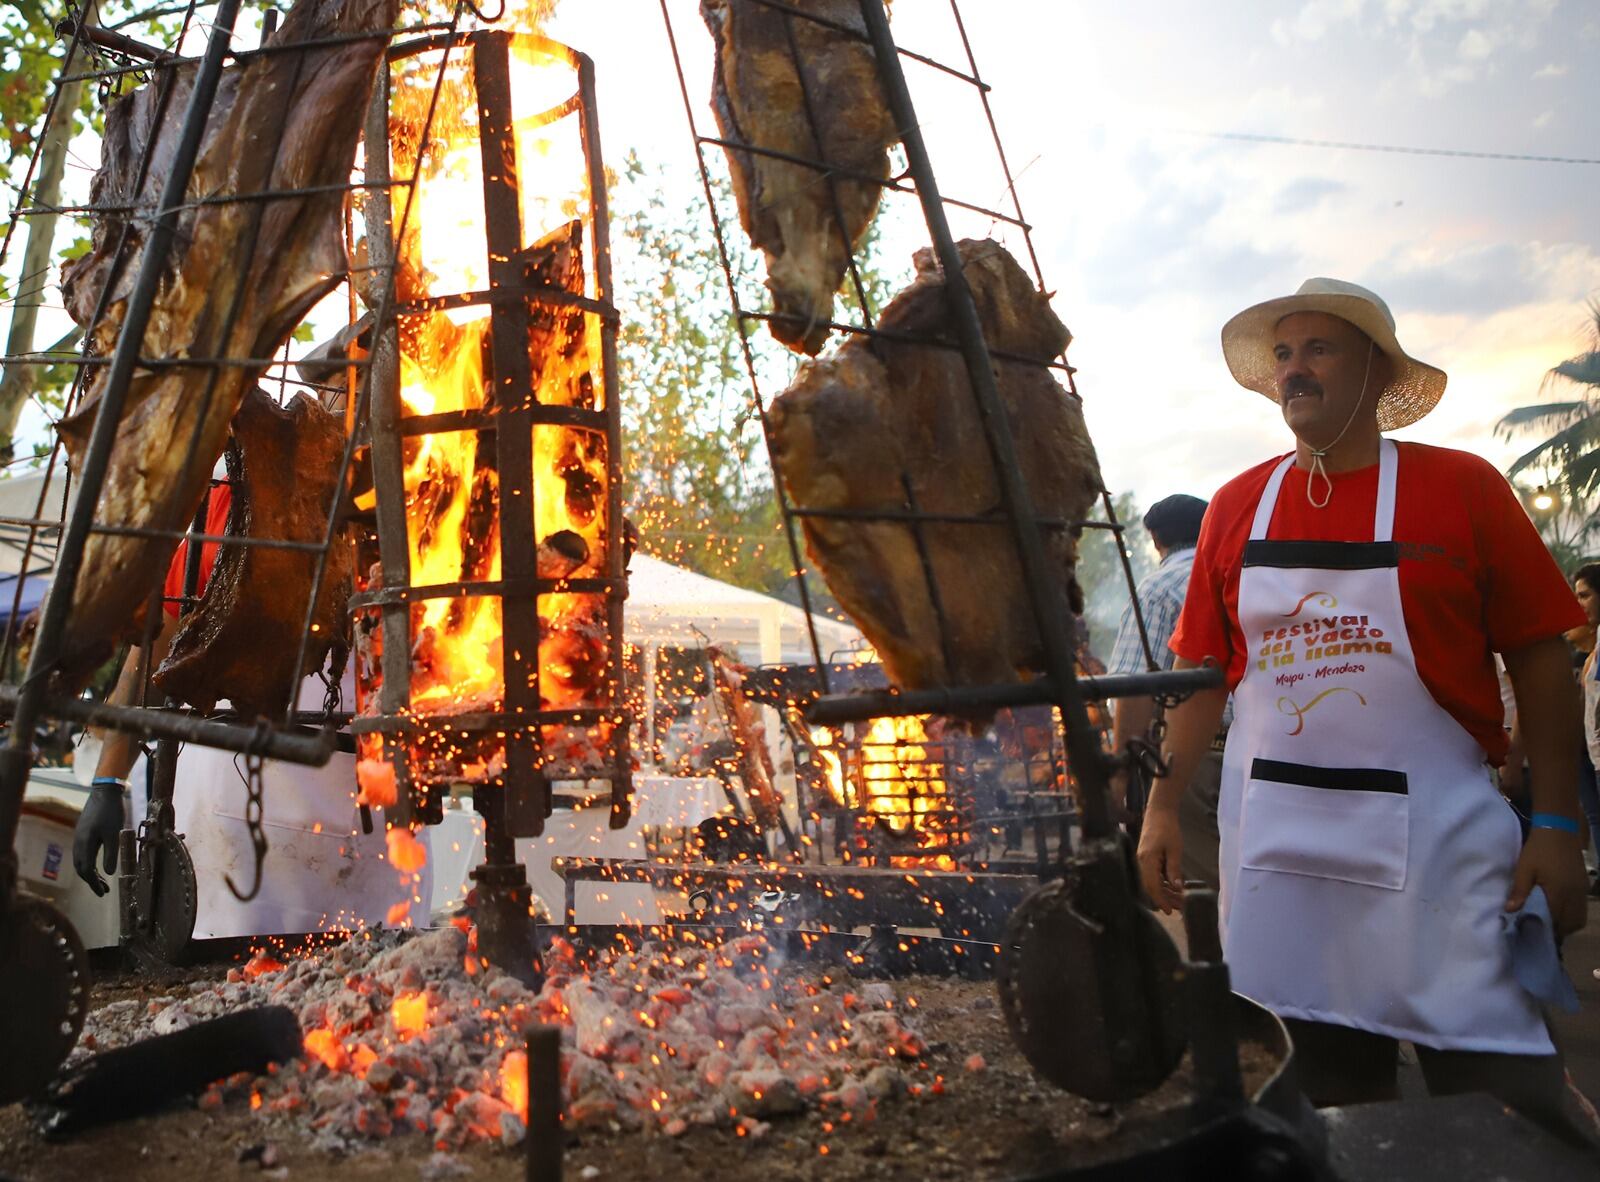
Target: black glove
[{"x": 97, "y": 830}]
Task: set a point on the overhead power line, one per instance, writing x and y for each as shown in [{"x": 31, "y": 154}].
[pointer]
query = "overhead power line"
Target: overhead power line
[{"x": 1246, "y": 137}]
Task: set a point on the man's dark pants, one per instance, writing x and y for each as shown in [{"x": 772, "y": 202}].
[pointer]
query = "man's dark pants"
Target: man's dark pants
[
  {"x": 1339, "y": 1065},
  {"x": 1197, "y": 821}
]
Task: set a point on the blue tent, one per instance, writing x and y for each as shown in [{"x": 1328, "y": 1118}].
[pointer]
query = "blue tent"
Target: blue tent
[{"x": 33, "y": 589}]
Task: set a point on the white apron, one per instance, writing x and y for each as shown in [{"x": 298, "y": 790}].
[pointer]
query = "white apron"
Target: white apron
[
  {"x": 1366, "y": 855},
  {"x": 320, "y": 873}
]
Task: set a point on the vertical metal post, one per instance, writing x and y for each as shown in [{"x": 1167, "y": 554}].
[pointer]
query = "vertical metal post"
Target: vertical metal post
[
  {"x": 388, "y": 462},
  {"x": 545, "y": 1149},
  {"x": 616, "y": 562},
  {"x": 16, "y": 758},
  {"x": 1208, "y": 997},
  {"x": 1049, "y": 603},
  {"x": 512, "y": 397}
]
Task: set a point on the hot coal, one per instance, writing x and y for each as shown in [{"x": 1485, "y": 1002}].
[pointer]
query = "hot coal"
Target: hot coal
[{"x": 422, "y": 1036}]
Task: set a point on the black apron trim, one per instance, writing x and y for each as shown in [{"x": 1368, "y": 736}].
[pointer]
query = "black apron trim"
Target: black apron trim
[
  {"x": 1323, "y": 555},
  {"x": 1346, "y": 779}
]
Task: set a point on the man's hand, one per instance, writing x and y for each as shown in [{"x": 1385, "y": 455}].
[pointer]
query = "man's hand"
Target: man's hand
[
  {"x": 1161, "y": 859},
  {"x": 96, "y": 834},
  {"x": 1553, "y": 860},
  {"x": 1549, "y": 723}
]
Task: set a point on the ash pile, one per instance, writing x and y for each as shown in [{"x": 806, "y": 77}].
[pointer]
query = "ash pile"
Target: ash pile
[{"x": 422, "y": 1036}]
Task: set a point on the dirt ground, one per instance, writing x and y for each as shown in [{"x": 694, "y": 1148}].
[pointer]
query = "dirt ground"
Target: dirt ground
[{"x": 998, "y": 1122}]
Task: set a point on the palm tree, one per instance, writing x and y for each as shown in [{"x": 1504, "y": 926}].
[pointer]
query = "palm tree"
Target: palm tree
[{"x": 1572, "y": 451}]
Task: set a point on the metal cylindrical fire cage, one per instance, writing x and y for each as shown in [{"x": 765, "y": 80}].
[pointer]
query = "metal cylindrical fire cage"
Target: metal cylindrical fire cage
[
  {"x": 488, "y": 610},
  {"x": 909, "y": 791}
]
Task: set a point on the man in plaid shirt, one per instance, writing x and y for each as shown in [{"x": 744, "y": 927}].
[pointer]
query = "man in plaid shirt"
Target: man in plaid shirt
[{"x": 1174, "y": 527}]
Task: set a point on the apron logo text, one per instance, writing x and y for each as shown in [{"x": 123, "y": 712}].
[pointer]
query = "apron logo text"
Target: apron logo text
[{"x": 1323, "y": 639}]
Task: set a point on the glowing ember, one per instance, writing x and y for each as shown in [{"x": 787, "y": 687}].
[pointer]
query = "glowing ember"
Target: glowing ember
[
  {"x": 406, "y": 853},
  {"x": 514, "y": 1082},
  {"x": 376, "y": 780},
  {"x": 262, "y": 964},
  {"x": 410, "y": 1014},
  {"x": 325, "y": 1046}
]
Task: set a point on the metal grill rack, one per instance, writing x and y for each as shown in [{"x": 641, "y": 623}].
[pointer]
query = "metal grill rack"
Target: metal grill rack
[
  {"x": 1119, "y": 973},
  {"x": 1061, "y": 684},
  {"x": 991, "y": 802},
  {"x": 375, "y": 421}
]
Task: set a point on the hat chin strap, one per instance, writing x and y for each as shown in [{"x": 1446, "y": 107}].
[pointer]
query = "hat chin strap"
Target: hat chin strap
[{"x": 1318, "y": 468}]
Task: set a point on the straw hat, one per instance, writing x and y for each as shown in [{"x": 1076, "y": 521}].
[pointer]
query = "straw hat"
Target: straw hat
[{"x": 1247, "y": 340}]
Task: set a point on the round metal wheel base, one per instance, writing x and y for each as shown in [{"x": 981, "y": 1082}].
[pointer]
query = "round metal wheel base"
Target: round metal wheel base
[
  {"x": 44, "y": 995},
  {"x": 168, "y": 902},
  {"x": 1091, "y": 1002}
]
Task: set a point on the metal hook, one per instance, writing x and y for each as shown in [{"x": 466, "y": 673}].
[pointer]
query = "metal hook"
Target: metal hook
[{"x": 478, "y": 12}]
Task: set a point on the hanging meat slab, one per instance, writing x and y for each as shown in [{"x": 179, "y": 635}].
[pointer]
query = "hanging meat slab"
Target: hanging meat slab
[
  {"x": 874, "y": 415},
  {"x": 788, "y": 209},
  {"x": 282, "y": 121},
  {"x": 242, "y": 640}
]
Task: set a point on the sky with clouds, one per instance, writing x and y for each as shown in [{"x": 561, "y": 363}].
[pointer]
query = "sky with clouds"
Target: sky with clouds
[{"x": 1152, "y": 231}]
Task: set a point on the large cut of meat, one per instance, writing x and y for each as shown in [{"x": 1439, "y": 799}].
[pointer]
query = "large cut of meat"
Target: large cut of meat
[
  {"x": 859, "y": 425},
  {"x": 241, "y": 642},
  {"x": 788, "y": 209},
  {"x": 274, "y": 258}
]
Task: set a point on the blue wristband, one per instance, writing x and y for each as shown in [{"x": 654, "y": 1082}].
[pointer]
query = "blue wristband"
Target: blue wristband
[
  {"x": 1553, "y": 821},
  {"x": 107, "y": 781}
]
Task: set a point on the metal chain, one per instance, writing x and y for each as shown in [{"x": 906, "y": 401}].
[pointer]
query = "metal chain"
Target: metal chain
[
  {"x": 332, "y": 680},
  {"x": 1144, "y": 752},
  {"x": 253, "y": 811}
]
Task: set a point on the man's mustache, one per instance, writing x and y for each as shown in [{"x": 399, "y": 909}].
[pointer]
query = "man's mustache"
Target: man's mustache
[{"x": 1301, "y": 385}]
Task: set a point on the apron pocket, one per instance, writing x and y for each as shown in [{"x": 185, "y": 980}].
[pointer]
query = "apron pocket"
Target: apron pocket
[{"x": 1347, "y": 824}]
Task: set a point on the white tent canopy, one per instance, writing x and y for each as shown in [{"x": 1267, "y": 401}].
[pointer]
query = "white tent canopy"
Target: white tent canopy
[
  {"x": 666, "y": 604},
  {"x": 670, "y": 605},
  {"x": 19, "y": 500}
]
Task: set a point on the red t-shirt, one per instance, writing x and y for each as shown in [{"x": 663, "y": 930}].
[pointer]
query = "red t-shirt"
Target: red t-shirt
[
  {"x": 217, "y": 524},
  {"x": 1475, "y": 578}
]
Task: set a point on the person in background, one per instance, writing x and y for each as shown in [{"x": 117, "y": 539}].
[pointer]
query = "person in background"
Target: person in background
[
  {"x": 1173, "y": 524},
  {"x": 321, "y": 869},
  {"x": 1586, "y": 585},
  {"x": 107, "y": 810}
]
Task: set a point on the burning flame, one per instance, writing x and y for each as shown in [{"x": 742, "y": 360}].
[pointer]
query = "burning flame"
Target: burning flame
[
  {"x": 514, "y": 1082},
  {"x": 452, "y": 480},
  {"x": 900, "y": 784},
  {"x": 376, "y": 780}
]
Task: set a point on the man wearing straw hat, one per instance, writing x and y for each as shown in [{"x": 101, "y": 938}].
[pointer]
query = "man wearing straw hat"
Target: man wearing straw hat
[{"x": 1355, "y": 591}]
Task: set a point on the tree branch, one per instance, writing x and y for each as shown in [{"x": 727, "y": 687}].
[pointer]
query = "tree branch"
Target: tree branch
[{"x": 149, "y": 14}]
